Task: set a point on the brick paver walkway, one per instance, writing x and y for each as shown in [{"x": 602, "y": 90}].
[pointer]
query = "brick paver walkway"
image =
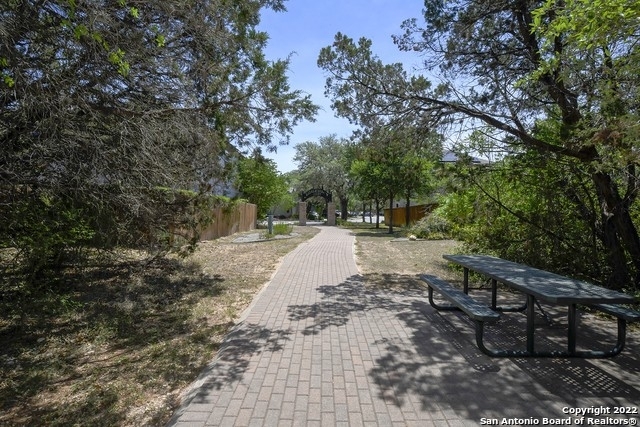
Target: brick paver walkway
[{"x": 318, "y": 347}]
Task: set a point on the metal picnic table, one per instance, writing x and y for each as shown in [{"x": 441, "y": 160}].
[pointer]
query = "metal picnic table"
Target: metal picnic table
[{"x": 540, "y": 285}]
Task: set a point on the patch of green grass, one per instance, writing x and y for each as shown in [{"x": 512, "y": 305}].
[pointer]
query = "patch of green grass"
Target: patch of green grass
[
  {"x": 282, "y": 229},
  {"x": 279, "y": 229},
  {"x": 358, "y": 225}
]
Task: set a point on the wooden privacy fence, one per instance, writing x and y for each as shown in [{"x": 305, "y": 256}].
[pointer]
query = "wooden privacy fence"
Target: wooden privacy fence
[
  {"x": 228, "y": 221},
  {"x": 416, "y": 213}
]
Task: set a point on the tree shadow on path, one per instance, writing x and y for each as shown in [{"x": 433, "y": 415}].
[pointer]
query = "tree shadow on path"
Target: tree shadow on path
[
  {"x": 233, "y": 360},
  {"x": 434, "y": 362}
]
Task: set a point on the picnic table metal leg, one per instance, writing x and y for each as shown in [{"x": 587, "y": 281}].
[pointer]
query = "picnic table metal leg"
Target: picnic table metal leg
[
  {"x": 465, "y": 280},
  {"x": 595, "y": 354},
  {"x": 592, "y": 354},
  {"x": 494, "y": 294},
  {"x": 622, "y": 333},
  {"x": 480, "y": 341},
  {"x": 530, "y": 308},
  {"x": 531, "y": 311},
  {"x": 440, "y": 307},
  {"x": 571, "y": 352},
  {"x": 572, "y": 330},
  {"x": 495, "y": 353},
  {"x": 494, "y": 300}
]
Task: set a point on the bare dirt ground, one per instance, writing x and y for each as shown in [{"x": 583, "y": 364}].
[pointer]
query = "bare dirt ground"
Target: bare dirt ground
[
  {"x": 115, "y": 343},
  {"x": 388, "y": 260},
  {"x": 381, "y": 253}
]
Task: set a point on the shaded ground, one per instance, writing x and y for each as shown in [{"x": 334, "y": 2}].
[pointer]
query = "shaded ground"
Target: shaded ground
[
  {"x": 116, "y": 342},
  {"x": 326, "y": 344},
  {"x": 589, "y": 382}
]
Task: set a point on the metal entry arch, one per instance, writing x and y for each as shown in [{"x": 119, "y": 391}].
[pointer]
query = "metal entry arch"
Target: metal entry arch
[
  {"x": 316, "y": 192},
  {"x": 329, "y": 205}
]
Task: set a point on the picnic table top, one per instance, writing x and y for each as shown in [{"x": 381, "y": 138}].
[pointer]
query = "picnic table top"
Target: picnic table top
[{"x": 542, "y": 284}]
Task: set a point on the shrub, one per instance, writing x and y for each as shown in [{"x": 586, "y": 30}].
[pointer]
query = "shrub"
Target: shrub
[
  {"x": 279, "y": 229},
  {"x": 45, "y": 229},
  {"x": 282, "y": 229},
  {"x": 433, "y": 227},
  {"x": 49, "y": 229}
]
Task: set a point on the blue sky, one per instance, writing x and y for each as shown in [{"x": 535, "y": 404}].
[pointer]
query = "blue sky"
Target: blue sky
[{"x": 309, "y": 25}]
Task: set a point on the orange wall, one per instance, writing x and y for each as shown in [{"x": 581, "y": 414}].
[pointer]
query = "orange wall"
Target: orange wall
[{"x": 416, "y": 213}]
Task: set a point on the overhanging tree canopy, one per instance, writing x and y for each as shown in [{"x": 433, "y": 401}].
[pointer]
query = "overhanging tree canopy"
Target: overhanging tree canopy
[
  {"x": 500, "y": 71},
  {"x": 101, "y": 101}
]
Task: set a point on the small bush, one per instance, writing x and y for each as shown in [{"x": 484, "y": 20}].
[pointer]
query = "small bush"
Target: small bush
[
  {"x": 433, "y": 227},
  {"x": 282, "y": 229},
  {"x": 45, "y": 230}
]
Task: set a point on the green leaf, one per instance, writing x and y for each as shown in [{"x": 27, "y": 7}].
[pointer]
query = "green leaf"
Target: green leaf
[
  {"x": 8, "y": 80},
  {"x": 160, "y": 40},
  {"x": 80, "y": 31}
]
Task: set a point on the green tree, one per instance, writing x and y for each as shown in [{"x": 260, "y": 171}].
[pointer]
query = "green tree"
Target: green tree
[
  {"x": 592, "y": 25},
  {"x": 367, "y": 176},
  {"x": 420, "y": 150},
  {"x": 529, "y": 210},
  {"x": 102, "y": 102},
  {"x": 325, "y": 164},
  {"x": 384, "y": 155},
  {"x": 497, "y": 72},
  {"x": 260, "y": 183}
]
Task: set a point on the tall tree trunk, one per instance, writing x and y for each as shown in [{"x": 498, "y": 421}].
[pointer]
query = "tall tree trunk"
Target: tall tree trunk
[
  {"x": 344, "y": 207},
  {"x": 615, "y": 255},
  {"x": 390, "y": 213},
  {"x": 620, "y": 235},
  {"x": 371, "y": 210},
  {"x": 407, "y": 211}
]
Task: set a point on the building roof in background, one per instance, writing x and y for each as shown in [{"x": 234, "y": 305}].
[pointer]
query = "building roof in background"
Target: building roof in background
[{"x": 451, "y": 157}]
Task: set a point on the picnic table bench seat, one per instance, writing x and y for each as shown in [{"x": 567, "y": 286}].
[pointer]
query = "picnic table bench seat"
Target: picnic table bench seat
[
  {"x": 461, "y": 301},
  {"x": 478, "y": 312},
  {"x": 621, "y": 312}
]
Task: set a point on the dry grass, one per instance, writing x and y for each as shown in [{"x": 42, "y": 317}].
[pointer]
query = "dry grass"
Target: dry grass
[
  {"x": 115, "y": 344},
  {"x": 388, "y": 260}
]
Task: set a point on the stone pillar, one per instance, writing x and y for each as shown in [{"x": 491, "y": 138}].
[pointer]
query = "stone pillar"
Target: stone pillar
[
  {"x": 331, "y": 213},
  {"x": 302, "y": 213}
]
